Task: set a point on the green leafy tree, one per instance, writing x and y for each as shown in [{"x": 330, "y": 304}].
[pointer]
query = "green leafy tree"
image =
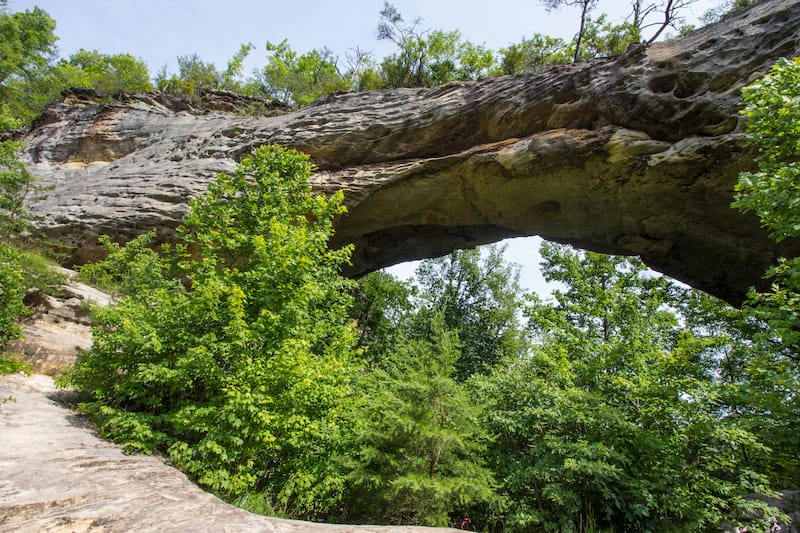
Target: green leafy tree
[
  {"x": 27, "y": 48},
  {"x": 232, "y": 76},
  {"x": 108, "y": 74},
  {"x": 773, "y": 122},
  {"x": 362, "y": 71},
  {"x": 240, "y": 371},
  {"x": 757, "y": 379},
  {"x": 12, "y": 291},
  {"x": 771, "y": 193},
  {"x": 299, "y": 79},
  {"x": 477, "y": 294},
  {"x": 17, "y": 187},
  {"x": 426, "y": 58},
  {"x": 418, "y": 439},
  {"x": 382, "y": 306},
  {"x": 601, "y": 38},
  {"x": 194, "y": 76},
  {"x": 531, "y": 55},
  {"x": 616, "y": 419},
  {"x": 585, "y": 7}
]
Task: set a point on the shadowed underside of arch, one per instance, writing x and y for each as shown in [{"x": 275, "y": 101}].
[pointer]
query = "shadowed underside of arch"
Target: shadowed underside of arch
[{"x": 632, "y": 155}]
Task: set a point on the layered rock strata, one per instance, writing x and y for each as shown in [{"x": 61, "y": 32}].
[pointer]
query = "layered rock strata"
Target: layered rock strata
[{"x": 636, "y": 155}]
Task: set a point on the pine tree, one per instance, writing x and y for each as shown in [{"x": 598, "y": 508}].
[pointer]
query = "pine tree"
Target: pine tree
[{"x": 419, "y": 439}]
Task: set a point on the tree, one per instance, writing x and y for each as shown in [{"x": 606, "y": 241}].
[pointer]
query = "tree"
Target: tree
[
  {"x": 382, "y": 307},
  {"x": 531, "y": 55},
  {"x": 601, "y": 38},
  {"x": 476, "y": 293},
  {"x": 585, "y": 6},
  {"x": 426, "y": 58},
  {"x": 362, "y": 71},
  {"x": 108, "y": 74},
  {"x": 771, "y": 192},
  {"x": 418, "y": 439},
  {"x": 232, "y": 352},
  {"x": 231, "y": 77},
  {"x": 12, "y": 290},
  {"x": 758, "y": 378},
  {"x": 299, "y": 79},
  {"x": 27, "y": 47},
  {"x": 17, "y": 187},
  {"x": 194, "y": 77},
  {"x": 615, "y": 418}
]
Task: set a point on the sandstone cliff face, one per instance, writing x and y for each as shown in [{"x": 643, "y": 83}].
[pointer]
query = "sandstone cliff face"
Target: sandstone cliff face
[{"x": 632, "y": 155}]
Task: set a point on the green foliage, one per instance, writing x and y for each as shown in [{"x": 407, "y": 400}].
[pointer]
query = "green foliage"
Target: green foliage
[
  {"x": 476, "y": 293},
  {"x": 531, "y": 55},
  {"x": 382, "y": 306},
  {"x": 29, "y": 80},
  {"x": 617, "y": 418},
  {"x": 585, "y": 7},
  {"x": 12, "y": 290},
  {"x": 299, "y": 79},
  {"x": 428, "y": 58},
  {"x": 758, "y": 378},
  {"x": 17, "y": 187},
  {"x": 418, "y": 439},
  {"x": 135, "y": 268},
  {"x": 771, "y": 193},
  {"x": 107, "y": 74},
  {"x": 773, "y": 122},
  {"x": 599, "y": 38},
  {"x": 11, "y": 365},
  {"x": 240, "y": 372},
  {"x": 27, "y": 46},
  {"x": 232, "y": 76},
  {"x": 602, "y": 38},
  {"x": 194, "y": 76}
]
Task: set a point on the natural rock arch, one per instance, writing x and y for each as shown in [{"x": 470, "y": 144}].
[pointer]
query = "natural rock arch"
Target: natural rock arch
[{"x": 633, "y": 155}]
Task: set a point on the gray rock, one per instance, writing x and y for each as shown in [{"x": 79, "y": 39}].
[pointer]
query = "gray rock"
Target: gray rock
[
  {"x": 59, "y": 326},
  {"x": 632, "y": 155},
  {"x": 59, "y": 476}
]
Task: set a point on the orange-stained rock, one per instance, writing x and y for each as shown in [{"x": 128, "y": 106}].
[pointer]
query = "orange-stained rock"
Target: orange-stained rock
[{"x": 636, "y": 154}]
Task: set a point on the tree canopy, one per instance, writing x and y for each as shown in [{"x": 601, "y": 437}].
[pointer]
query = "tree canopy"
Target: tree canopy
[{"x": 624, "y": 401}]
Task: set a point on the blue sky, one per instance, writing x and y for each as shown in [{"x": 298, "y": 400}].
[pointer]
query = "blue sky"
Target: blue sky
[{"x": 157, "y": 31}]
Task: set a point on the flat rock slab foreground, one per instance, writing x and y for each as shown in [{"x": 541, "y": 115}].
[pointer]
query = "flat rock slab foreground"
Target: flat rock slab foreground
[{"x": 57, "y": 474}]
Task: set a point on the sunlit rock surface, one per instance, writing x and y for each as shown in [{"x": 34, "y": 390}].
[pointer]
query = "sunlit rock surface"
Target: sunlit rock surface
[
  {"x": 59, "y": 476},
  {"x": 59, "y": 326},
  {"x": 632, "y": 155}
]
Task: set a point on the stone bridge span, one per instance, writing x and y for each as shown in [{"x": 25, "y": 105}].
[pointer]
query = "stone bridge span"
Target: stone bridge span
[{"x": 636, "y": 155}]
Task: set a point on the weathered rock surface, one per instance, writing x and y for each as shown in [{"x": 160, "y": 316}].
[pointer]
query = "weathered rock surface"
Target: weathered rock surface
[
  {"x": 59, "y": 326},
  {"x": 632, "y": 155},
  {"x": 59, "y": 476}
]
